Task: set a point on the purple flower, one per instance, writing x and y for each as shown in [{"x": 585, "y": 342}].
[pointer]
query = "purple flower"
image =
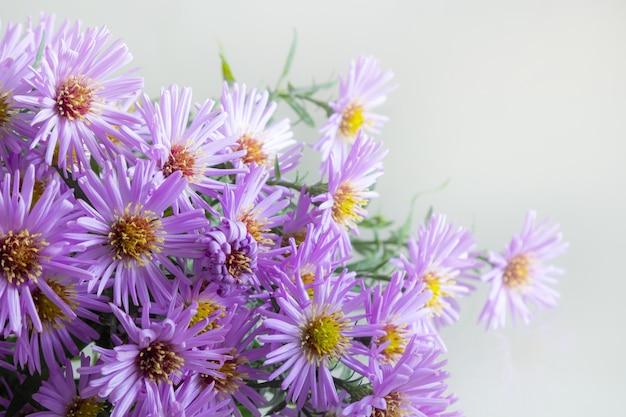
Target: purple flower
[
  {"x": 126, "y": 236},
  {"x": 520, "y": 276},
  {"x": 157, "y": 353},
  {"x": 442, "y": 260},
  {"x": 75, "y": 94},
  {"x": 310, "y": 336},
  {"x": 364, "y": 89},
  {"x": 249, "y": 122}
]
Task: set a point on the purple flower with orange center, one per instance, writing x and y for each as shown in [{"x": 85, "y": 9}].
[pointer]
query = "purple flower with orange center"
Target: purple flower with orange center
[
  {"x": 158, "y": 353},
  {"x": 520, "y": 277},
  {"x": 75, "y": 92},
  {"x": 127, "y": 238},
  {"x": 310, "y": 336},
  {"x": 249, "y": 122},
  {"x": 364, "y": 89},
  {"x": 33, "y": 246},
  {"x": 441, "y": 260}
]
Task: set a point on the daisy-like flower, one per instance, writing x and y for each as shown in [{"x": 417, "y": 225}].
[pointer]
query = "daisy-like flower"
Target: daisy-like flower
[
  {"x": 75, "y": 92},
  {"x": 441, "y": 259},
  {"x": 176, "y": 144},
  {"x": 309, "y": 337},
  {"x": 520, "y": 277},
  {"x": 349, "y": 187},
  {"x": 32, "y": 246},
  {"x": 61, "y": 396},
  {"x": 414, "y": 386},
  {"x": 157, "y": 353},
  {"x": 364, "y": 89},
  {"x": 248, "y": 121},
  {"x": 125, "y": 235}
]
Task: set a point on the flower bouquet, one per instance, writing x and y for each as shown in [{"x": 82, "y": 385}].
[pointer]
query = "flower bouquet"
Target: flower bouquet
[{"x": 163, "y": 256}]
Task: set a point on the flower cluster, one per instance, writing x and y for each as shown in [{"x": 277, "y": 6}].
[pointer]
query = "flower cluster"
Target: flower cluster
[{"x": 158, "y": 249}]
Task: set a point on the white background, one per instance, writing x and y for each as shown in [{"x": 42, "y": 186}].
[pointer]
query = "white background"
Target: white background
[{"x": 520, "y": 104}]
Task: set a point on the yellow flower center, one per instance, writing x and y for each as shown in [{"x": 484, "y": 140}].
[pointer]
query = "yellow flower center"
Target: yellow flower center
[
  {"x": 395, "y": 337},
  {"x": 75, "y": 97},
  {"x": 322, "y": 336},
  {"x": 207, "y": 308},
  {"x": 395, "y": 403},
  {"x": 516, "y": 272},
  {"x": 135, "y": 236},
  {"x": 346, "y": 205},
  {"x": 158, "y": 361},
  {"x": 6, "y": 111},
  {"x": 351, "y": 121},
  {"x": 254, "y": 150},
  {"x": 180, "y": 159},
  {"x": 84, "y": 407},
  {"x": 238, "y": 263},
  {"x": 256, "y": 228},
  {"x": 48, "y": 311},
  {"x": 19, "y": 256},
  {"x": 435, "y": 284},
  {"x": 233, "y": 379}
]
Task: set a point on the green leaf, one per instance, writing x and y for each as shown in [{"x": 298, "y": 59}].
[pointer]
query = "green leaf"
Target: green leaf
[
  {"x": 227, "y": 73},
  {"x": 300, "y": 111},
  {"x": 290, "y": 56}
]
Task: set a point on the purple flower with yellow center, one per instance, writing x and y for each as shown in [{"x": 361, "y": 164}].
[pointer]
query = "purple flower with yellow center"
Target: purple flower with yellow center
[
  {"x": 127, "y": 238},
  {"x": 32, "y": 246},
  {"x": 263, "y": 141},
  {"x": 61, "y": 396},
  {"x": 310, "y": 336},
  {"x": 61, "y": 328},
  {"x": 75, "y": 92},
  {"x": 158, "y": 352},
  {"x": 399, "y": 311},
  {"x": 442, "y": 259},
  {"x": 177, "y": 144},
  {"x": 364, "y": 89},
  {"x": 413, "y": 386},
  {"x": 520, "y": 277},
  {"x": 349, "y": 187}
]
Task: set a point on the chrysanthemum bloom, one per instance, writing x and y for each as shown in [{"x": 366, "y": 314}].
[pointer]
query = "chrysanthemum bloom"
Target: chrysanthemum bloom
[
  {"x": 157, "y": 353},
  {"x": 248, "y": 121},
  {"x": 75, "y": 92},
  {"x": 32, "y": 246},
  {"x": 364, "y": 89},
  {"x": 61, "y": 396},
  {"x": 414, "y": 386},
  {"x": 442, "y": 259},
  {"x": 349, "y": 187},
  {"x": 178, "y": 144},
  {"x": 127, "y": 238},
  {"x": 309, "y": 337},
  {"x": 60, "y": 330},
  {"x": 400, "y": 312},
  {"x": 520, "y": 277}
]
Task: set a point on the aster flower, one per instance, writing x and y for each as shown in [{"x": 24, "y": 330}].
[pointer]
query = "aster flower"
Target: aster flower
[
  {"x": 441, "y": 258},
  {"x": 364, "y": 89},
  {"x": 414, "y": 386},
  {"x": 157, "y": 353},
  {"x": 61, "y": 396},
  {"x": 349, "y": 187},
  {"x": 520, "y": 277},
  {"x": 32, "y": 245},
  {"x": 249, "y": 122},
  {"x": 125, "y": 235},
  {"x": 309, "y": 337},
  {"x": 75, "y": 95},
  {"x": 176, "y": 144}
]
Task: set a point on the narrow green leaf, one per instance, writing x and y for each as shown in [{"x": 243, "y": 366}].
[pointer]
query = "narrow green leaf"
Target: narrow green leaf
[
  {"x": 289, "y": 61},
  {"x": 227, "y": 73},
  {"x": 300, "y": 111}
]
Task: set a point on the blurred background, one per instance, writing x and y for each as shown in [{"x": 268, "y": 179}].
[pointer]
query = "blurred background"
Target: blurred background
[{"x": 518, "y": 104}]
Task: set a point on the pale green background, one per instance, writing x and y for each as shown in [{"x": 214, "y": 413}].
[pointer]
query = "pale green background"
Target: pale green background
[{"x": 521, "y": 104}]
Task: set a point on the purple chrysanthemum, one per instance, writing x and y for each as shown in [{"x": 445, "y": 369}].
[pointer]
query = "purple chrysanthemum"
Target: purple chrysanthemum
[
  {"x": 309, "y": 336},
  {"x": 33, "y": 246},
  {"x": 158, "y": 353},
  {"x": 248, "y": 121},
  {"x": 75, "y": 92},
  {"x": 364, "y": 89},
  {"x": 127, "y": 237},
  {"x": 520, "y": 276},
  {"x": 442, "y": 259}
]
